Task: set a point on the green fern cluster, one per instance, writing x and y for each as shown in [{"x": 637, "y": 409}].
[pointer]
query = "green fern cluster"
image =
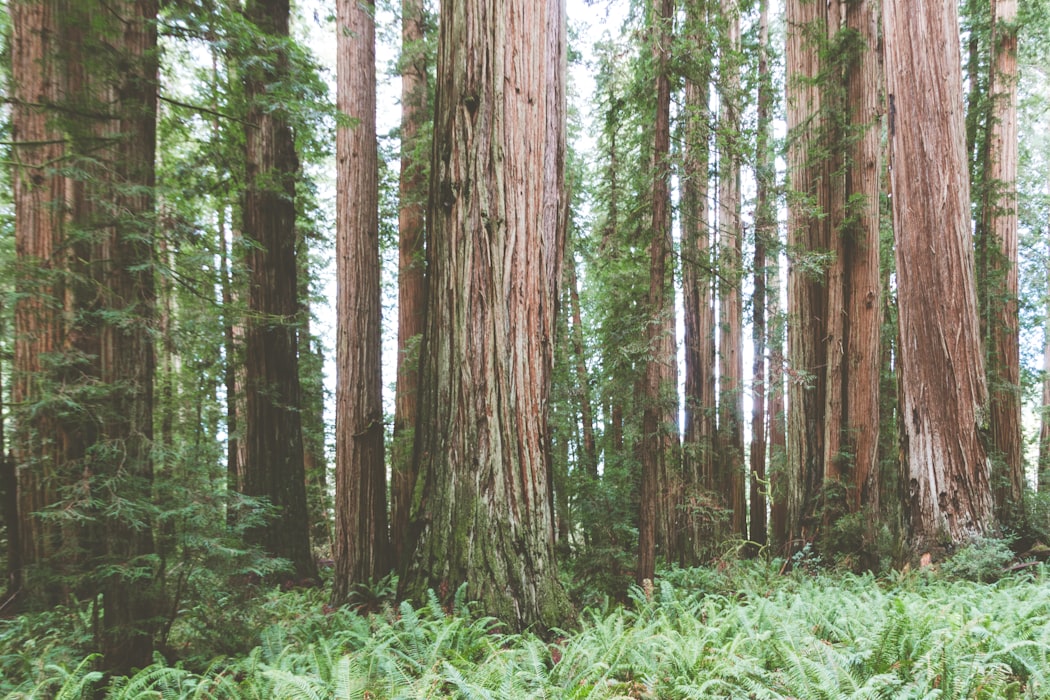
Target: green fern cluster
[{"x": 745, "y": 633}]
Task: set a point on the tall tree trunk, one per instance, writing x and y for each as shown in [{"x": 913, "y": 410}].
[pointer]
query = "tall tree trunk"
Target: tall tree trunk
[
  {"x": 835, "y": 166},
  {"x": 41, "y": 445},
  {"x": 1000, "y": 212},
  {"x": 127, "y": 356},
  {"x": 273, "y": 468},
  {"x": 941, "y": 365},
  {"x": 9, "y": 507},
  {"x": 765, "y": 233},
  {"x": 778, "y": 510},
  {"x": 807, "y": 302},
  {"x": 659, "y": 438},
  {"x": 410, "y": 300},
  {"x": 730, "y": 268},
  {"x": 1043, "y": 474},
  {"x": 589, "y": 458},
  {"x": 361, "y": 539},
  {"x": 485, "y": 516},
  {"x": 697, "y": 303}
]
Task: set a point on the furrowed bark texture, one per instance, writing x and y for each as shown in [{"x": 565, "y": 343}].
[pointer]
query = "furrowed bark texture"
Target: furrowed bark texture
[
  {"x": 1003, "y": 342},
  {"x": 698, "y": 488},
  {"x": 730, "y": 458},
  {"x": 362, "y": 552},
  {"x": 274, "y": 460},
  {"x": 40, "y": 443},
  {"x": 807, "y": 303},
  {"x": 485, "y": 512},
  {"x": 835, "y": 285},
  {"x": 659, "y": 435},
  {"x": 942, "y": 368},
  {"x": 410, "y": 282}
]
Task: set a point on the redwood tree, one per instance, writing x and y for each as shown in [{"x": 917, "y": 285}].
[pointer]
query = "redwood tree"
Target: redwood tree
[
  {"x": 834, "y": 298},
  {"x": 659, "y": 438},
  {"x": 999, "y": 210},
  {"x": 410, "y": 269},
  {"x": 494, "y": 264},
  {"x": 361, "y": 541},
  {"x": 273, "y": 467},
  {"x": 942, "y": 369}
]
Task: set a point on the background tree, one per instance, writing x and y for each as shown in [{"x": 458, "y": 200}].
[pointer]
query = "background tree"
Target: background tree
[
  {"x": 485, "y": 514},
  {"x": 730, "y": 456},
  {"x": 415, "y": 112},
  {"x": 699, "y": 494},
  {"x": 942, "y": 370},
  {"x": 274, "y": 461},
  {"x": 361, "y": 539},
  {"x": 659, "y": 423},
  {"x": 1000, "y": 307}
]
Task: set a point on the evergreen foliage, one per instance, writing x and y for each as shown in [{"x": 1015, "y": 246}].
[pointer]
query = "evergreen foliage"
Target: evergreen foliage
[{"x": 742, "y": 631}]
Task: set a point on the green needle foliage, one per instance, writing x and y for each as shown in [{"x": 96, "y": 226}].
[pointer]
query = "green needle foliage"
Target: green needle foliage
[{"x": 744, "y": 632}]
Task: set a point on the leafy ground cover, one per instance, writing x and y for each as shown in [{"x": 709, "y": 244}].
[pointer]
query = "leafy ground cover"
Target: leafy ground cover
[{"x": 744, "y": 631}]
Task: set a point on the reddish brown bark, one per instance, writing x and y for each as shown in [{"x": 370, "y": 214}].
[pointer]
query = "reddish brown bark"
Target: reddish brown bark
[
  {"x": 410, "y": 299},
  {"x": 835, "y": 285},
  {"x": 274, "y": 463},
  {"x": 1000, "y": 225},
  {"x": 361, "y": 545},
  {"x": 943, "y": 382},
  {"x": 494, "y": 253},
  {"x": 659, "y": 437}
]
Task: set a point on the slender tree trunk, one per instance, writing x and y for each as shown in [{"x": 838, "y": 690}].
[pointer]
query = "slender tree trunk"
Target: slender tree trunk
[
  {"x": 765, "y": 232},
  {"x": 658, "y": 418},
  {"x": 589, "y": 457},
  {"x": 361, "y": 540},
  {"x": 411, "y": 220},
  {"x": 731, "y": 468},
  {"x": 9, "y": 507},
  {"x": 835, "y": 283},
  {"x": 697, "y": 303},
  {"x": 1043, "y": 474},
  {"x": 485, "y": 516},
  {"x": 1044, "y": 415},
  {"x": 274, "y": 461},
  {"x": 940, "y": 357},
  {"x": 778, "y": 511},
  {"x": 1000, "y": 211}
]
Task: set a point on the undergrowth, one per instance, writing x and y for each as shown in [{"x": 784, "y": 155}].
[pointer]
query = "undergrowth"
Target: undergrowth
[{"x": 741, "y": 632}]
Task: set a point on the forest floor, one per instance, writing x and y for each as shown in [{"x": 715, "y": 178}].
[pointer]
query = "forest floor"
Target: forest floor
[{"x": 743, "y": 630}]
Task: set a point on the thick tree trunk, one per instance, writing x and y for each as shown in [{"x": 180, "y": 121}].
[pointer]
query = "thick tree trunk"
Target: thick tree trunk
[
  {"x": 941, "y": 365},
  {"x": 494, "y": 253},
  {"x": 1000, "y": 211},
  {"x": 40, "y": 444},
  {"x": 411, "y": 221},
  {"x": 659, "y": 437},
  {"x": 274, "y": 462},
  {"x": 835, "y": 166},
  {"x": 361, "y": 539}
]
